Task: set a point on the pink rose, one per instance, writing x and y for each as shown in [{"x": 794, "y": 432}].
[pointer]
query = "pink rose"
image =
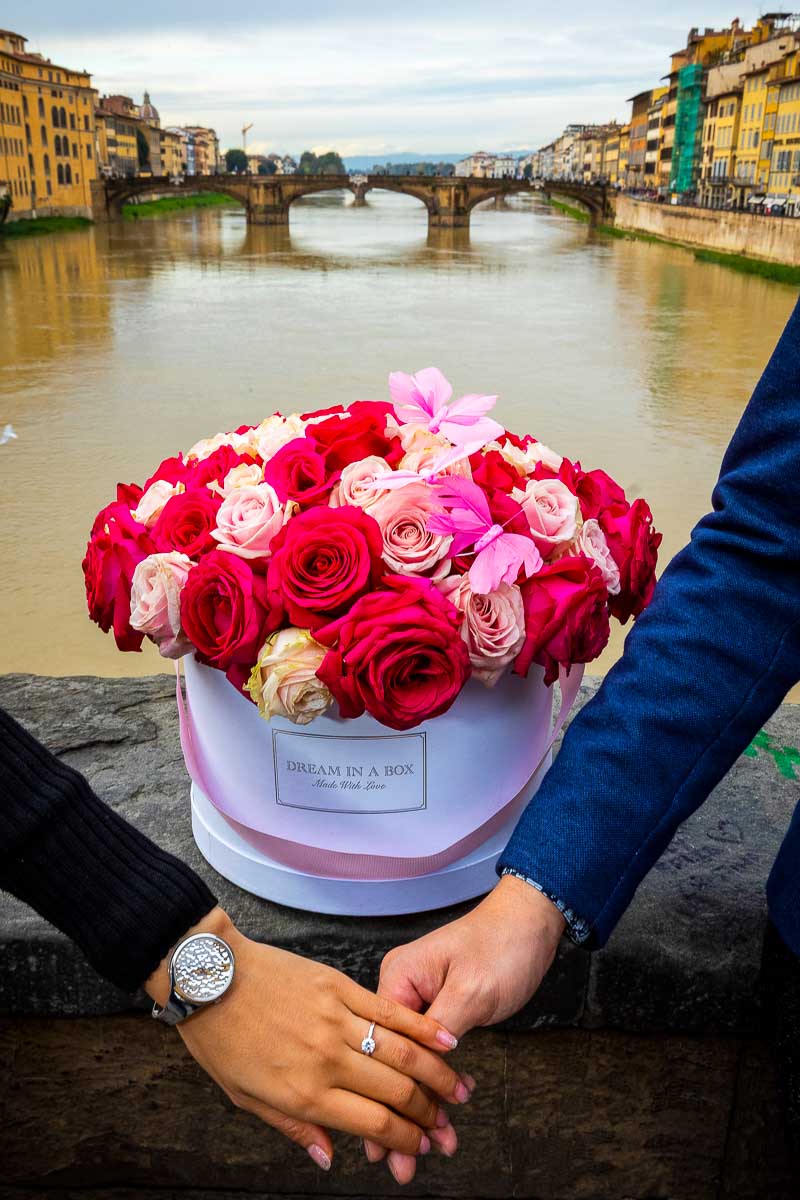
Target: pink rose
[
  {"x": 493, "y": 627},
  {"x": 408, "y": 547},
  {"x": 353, "y": 487},
  {"x": 152, "y": 501},
  {"x": 566, "y": 617},
  {"x": 248, "y": 519},
  {"x": 156, "y": 601},
  {"x": 552, "y": 513},
  {"x": 591, "y": 541}
]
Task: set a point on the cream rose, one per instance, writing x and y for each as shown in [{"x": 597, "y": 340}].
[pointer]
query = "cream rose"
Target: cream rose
[
  {"x": 408, "y": 547},
  {"x": 156, "y": 601},
  {"x": 284, "y": 682},
  {"x": 525, "y": 460},
  {"x": 493, "y": 627},
  {"x": 276, "y": 431},
  {"x": 245, "y": 475},
  {"x": 151, "y": 502},
  {"x": 591, "y": 541},
  {"x": 552, "y": 511},
  {"x": 353, "y": 487},
  {"x": 423, "y": 458},
  {"x": 248, "y": 519}
]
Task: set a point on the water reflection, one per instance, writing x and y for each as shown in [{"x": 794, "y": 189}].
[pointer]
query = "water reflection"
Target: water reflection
[{"x": 125, "y": 343}]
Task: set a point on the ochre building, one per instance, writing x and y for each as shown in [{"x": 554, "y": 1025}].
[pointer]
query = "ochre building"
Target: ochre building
[{"x": 47, "y": 133}]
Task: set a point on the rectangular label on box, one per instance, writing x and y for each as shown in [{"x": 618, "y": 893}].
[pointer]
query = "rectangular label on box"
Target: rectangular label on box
[{"x": 364, "y": 775}]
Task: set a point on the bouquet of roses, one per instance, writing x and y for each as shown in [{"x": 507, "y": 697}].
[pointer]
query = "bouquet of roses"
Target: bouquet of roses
[{"x": 377, "y": 555}]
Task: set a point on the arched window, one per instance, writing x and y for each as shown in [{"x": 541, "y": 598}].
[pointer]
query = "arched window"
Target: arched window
[
  {"x": 47, "y": 164},
  {"x": 63, "y": 118},
  {"x": 72, "y": 120},
  {"x": 54, "y": 116},
  {"x": 67, "y": 174},
  {"x": 57, "y": 144},
  {"x": 41, "y": 107},
  {"x": 74, "y": 149},
  {"x": 43, "y": 133},
  {"x": 60, "y": 173}
]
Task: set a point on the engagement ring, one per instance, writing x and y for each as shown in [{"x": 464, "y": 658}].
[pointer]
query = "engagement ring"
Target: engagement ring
[{"x": 368, "y": 1044}]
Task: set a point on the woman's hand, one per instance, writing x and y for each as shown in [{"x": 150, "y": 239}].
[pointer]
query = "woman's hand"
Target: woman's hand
[{"x": 285, "y": 1043}]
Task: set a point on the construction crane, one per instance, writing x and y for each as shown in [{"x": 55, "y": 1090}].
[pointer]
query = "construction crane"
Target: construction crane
[{"x": 245, "y": 128}]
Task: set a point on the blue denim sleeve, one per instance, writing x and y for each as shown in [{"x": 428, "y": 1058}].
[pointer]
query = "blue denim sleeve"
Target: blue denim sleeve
[{"x": 703, "y": 668}]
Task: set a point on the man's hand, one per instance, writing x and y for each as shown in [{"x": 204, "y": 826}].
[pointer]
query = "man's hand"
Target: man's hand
[{"x": 475, "y": 971}]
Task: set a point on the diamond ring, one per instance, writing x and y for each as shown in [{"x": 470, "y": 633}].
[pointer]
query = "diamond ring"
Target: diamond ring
[{"x": 368, "y": 1044}]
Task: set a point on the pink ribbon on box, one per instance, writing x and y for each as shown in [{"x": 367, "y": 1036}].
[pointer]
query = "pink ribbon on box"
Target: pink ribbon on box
[{"x": 313, "y": 860}]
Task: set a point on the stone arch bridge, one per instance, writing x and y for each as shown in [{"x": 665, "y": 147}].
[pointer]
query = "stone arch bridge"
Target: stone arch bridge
[
  {"x": 596, "y": 198},
  {"x": 268, "y": 198}
]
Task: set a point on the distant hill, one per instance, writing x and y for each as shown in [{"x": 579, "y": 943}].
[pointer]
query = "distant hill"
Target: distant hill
[{"x": 365, "y": 162}]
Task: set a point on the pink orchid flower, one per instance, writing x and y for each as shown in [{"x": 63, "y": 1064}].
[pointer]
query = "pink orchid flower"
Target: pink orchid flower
[
  {"x": 398, "y": 479},
  {"x": 424, "y": 399},
  {"x": 499, "y": 556}
]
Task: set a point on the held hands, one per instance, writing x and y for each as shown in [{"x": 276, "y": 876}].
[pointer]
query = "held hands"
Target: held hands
[
  {"x": 285, "y": 1044},
  {"x": 475, "y": 971}
]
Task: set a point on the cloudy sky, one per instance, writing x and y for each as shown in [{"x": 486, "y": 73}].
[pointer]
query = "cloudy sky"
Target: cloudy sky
[{"x": 369, "y": 77}]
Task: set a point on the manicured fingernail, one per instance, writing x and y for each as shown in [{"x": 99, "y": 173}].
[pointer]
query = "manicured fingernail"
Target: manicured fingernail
[
  {"x": 445, "y": 1140},
  {"x": 425, "y": 1145},
  {"x": 372, "y": 1152},
  {"x": 446, "y": 1039},
  {"x": 470, "y": 1082},
  {"x": 462, "y": 1093},
  {"x": 442, "y": 1119},
  {"x": 320, "y": 1157}
]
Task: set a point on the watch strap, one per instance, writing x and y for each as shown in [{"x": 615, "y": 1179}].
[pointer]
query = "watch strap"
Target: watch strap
[{"x": 175, "y": 1010}]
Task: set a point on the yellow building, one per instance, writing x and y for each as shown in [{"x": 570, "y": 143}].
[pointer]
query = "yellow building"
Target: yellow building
[
  {"x": 651, "y": 177},
  {"x": 117, "y": 149},
  {"x": 47, "y": 135},
  {"x": 784, "y": 175},
  {"x": 720, "y": 140},
  {"x": 752, "y": 172},
  {"x": 173, "y": 152},
  {"x": 624, "y": 155}
]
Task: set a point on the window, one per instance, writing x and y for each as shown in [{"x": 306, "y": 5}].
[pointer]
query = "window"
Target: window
[
  {"x": 25, "y": 105},
  {"x": 49, "y": 187},
  {"x": 88, "y": 150},
  {"x": 60, "y": 173},
  {"x": 57, "y": 145},
  {"x": 72, "y": 119},
  {"x": 47, "y": 165},
  {"x": 41, "y": 107},
  {"x": 27, "y": 133},
  {"x": 85, "y": 121},
  {"x": 43, "y": 133},
  {"x": 63, "y": 114},
  {"x": 67, "y": 174}
]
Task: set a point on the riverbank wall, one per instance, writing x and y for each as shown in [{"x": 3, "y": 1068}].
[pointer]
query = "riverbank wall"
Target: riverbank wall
[{"x": 771, "y": 239}]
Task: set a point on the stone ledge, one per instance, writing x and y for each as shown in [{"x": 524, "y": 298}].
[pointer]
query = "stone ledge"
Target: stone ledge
[{"x": 684, "y": 958}]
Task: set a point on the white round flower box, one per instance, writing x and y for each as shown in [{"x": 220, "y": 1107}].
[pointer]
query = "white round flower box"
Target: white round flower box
[{"x": 350, "y": 817}]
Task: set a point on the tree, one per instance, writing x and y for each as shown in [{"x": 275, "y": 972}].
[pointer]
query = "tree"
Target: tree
[
  {"x": 308, "y": 163},
  {"x": 527, "y": 171},
  {"x": 267, "y": 167},
  {"x": 143, "y": 151},
  {"x": 330, "y": 164},
  {"x": 236, "y": 162}
]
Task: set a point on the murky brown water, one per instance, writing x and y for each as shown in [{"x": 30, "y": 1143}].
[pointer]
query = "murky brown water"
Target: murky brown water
[{"x": 119, "y": 346}]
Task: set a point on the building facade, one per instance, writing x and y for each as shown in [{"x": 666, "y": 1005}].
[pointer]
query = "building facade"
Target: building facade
[{"x": 47, "y": 136}]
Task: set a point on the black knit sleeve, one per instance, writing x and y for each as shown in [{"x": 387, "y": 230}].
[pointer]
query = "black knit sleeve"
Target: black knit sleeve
[{"x": 123, "y": 901}]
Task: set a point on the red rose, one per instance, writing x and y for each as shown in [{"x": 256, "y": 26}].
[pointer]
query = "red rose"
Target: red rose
[
  {"x": 397, "y": 654},
  {"x": 322, "y": 561},
  {"x": 566, "y": 616},
  {"x": 116, "y": 547},
  {"x": 596, "y": 491},
  {"x": 173, "y": 470},
  {"x": 634, "y": 543},
  {"x": 491, "y": 471},
  {"x": 358, "y": 433},
  {"x": 298, "y": 472},
  {"x": 186, "y": 523},
  {"x": 214, "y": 468},
  {"x": 225, "y": 612}
]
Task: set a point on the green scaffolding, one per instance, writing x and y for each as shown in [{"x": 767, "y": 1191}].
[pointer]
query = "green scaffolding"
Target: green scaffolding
[{"x": 688, "y": 129}]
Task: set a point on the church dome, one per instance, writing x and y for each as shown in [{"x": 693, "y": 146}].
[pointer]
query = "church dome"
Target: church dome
[{"x": 149, "y": 111}]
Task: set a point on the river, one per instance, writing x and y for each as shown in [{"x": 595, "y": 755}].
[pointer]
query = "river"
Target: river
[{"x": 122, "y": 344}]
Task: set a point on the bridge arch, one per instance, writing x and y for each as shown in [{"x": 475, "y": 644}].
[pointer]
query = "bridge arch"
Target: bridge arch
[
  {"x": 118, "y": 192},
  {"x": 505, "y": 187}
]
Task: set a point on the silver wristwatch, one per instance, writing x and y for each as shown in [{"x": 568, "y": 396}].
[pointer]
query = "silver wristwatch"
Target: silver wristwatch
[{"x": 201, "y": 970}]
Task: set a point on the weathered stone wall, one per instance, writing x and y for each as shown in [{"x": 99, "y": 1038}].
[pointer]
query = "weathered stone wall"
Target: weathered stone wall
[
  {"x": 636, "y": 1072},
  {"x": 775, "y": 239}
]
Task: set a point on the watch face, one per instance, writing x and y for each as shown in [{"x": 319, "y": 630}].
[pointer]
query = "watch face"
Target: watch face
[{"x": 202, "y": 969}]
